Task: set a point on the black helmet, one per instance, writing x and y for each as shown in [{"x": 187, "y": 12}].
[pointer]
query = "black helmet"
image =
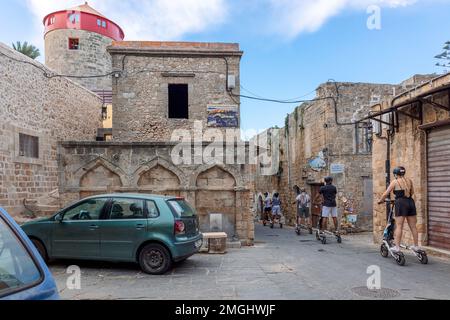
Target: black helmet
[
  {"x": 328, "y": 180},
  {"x": 400, "y": 171}
]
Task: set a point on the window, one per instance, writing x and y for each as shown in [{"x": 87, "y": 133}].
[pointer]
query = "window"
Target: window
[
  {"x": 101, "y": 23},
  {"x": 74, "y": 17},
  {"x": 17, "y": 268},
  {"x": 74, "y": 44},
  {"x": 51, "y": 20},
  {"x": 152, "y": 209},
  {"x": 363, "y": 138},
  {"x": 123, "y": 209},
  {"x": 87, "y": 210},
  {"x": 182, "y": 208},
  {"x": 178, "y": 101},
  {"x": 28, "y": 146}
]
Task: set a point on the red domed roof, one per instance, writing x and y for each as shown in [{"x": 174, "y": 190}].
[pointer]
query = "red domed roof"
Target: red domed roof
[
  {"x": 89, "y": 19},
  {"x": 86, "y": 8}
]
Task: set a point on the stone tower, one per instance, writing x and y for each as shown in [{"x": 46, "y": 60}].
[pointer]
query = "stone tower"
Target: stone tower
[{"x": 75, "y": 45}]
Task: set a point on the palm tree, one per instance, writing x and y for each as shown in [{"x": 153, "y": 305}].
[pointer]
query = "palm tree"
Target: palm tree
[{"x": 27, "y": 49}]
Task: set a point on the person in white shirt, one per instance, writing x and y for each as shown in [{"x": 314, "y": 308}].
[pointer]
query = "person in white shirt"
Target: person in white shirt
[{"x": 303, "y": 202}]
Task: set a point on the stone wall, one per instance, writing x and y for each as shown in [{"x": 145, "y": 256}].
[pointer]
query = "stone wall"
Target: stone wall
[
  {"x": 91, "y": 58},
  {"x": 312, "y": 131},
  {"x": 408, "y": 149},
  {"x": 96, "y": 168},
  {"x": 50, "y": 109},
  {"x": 140, "y": 94}
]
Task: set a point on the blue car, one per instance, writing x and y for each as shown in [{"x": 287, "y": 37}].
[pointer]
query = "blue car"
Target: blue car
[{"x": 23, "y": 273}]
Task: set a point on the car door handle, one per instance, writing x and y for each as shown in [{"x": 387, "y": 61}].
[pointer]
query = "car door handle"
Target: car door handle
[
  {"x": 94, "y": 227},
  {"x": 140, "y": 227}
]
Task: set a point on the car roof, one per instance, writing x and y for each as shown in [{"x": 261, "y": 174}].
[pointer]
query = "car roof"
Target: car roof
[
  {"x": 142, "y": 196},
  {"x": 7, "y": 217}
]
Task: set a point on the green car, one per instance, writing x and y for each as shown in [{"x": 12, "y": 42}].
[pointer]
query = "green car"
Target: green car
[{"x": 153, "y": 231}]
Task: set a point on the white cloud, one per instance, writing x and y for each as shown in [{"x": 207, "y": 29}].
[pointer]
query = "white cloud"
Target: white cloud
[
  {"x": 298, "y": 16},
  {"x": 143, "y": 19}
]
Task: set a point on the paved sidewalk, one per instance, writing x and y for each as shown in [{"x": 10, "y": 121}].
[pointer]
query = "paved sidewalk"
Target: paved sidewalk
[{"x": 281, "y": 265}]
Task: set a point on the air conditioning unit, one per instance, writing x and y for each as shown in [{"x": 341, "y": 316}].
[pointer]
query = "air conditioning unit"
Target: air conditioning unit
[
  {"x": 231, "y": 82},
  {"x": 376, "y": 127}
]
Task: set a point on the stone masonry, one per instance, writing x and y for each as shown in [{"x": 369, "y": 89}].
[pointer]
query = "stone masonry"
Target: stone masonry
[
  {"x": 408, "y": 149},
  {"x": 91, "y": 58},
  {"x": 139, "y": 159},
  {"x": 97, "y": 168},
  {"x": 140, "y": 94},
  {"x": 312, "y": 130},
  {"x": 50, "y": 109}
]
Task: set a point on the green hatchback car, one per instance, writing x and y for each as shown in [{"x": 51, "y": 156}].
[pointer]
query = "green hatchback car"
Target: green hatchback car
[{"x": 154, "y": 231}]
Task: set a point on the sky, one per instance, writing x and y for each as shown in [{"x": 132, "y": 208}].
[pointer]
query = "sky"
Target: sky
[{"x": 290, "y": 46}]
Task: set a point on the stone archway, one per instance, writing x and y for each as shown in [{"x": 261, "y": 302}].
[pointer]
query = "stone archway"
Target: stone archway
[
  {"x": 98, "y": 180},
  {"x": 159, "y": 180},
  {"x": 216, "y": 194}
]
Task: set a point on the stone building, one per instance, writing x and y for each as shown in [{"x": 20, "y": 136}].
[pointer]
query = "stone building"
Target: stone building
[
  {"x": 36, "y": 112},
  {"x": 415, "y": 133},
  {"x": 321, "y": 138},
  {"x": 75, "y": 45},
  {"x": 170, "y": 85},
  {"x": 161, "y": 87}
]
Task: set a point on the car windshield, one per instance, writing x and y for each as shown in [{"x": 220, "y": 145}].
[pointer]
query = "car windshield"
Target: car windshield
[
  {"x": 182, "y": 208},
  {"x": 17, "y": 268}
]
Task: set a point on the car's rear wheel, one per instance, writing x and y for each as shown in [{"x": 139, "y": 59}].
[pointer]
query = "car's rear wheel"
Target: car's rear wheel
[
  {"x": 41, "y": 249},
  {"x": 155, "y": 259}
]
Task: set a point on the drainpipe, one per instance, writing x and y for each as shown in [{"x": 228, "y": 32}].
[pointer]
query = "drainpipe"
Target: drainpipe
[{"x": 388, "y": 171}]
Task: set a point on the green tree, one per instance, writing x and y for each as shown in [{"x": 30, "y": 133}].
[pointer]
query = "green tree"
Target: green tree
[{"x": 27, "y": 49}]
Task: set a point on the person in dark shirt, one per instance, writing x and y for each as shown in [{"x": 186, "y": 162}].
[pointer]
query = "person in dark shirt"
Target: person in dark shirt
[{"x": 329, "y": 208}]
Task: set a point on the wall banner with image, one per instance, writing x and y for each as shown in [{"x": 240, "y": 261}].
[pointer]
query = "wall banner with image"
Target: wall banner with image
[{"x": 223, "y": 116}]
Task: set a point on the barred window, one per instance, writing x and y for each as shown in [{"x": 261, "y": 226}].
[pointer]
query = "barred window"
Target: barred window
[{"x": 28, "y": 146}]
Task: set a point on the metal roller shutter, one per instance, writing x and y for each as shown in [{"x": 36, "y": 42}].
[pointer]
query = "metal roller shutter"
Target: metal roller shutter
[{"x": 439, "y": 188}]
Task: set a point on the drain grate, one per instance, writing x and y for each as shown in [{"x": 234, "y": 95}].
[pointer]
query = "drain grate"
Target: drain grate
[{"x": 383, "y": 293}]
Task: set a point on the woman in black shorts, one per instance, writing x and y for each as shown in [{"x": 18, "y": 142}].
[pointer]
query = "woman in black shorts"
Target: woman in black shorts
[{"x": 405, "y": 207}]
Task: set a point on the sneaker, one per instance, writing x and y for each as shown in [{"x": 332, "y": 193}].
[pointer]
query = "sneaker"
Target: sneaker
[
  {"x": 395, "y": 249},
  {"x": 415, "y": 249}
]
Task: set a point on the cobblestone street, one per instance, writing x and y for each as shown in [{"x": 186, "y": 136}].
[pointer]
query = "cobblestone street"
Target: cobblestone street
[{"x": 281, "y": 265}]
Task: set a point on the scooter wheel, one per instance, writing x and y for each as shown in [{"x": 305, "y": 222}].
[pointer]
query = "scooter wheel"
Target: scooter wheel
[
  {"x": 324, "y": 240},
  {"x": 400, "y": 259},
  {"x": 297, "y": 231},
  {"x": 310, "y": 231},
  {"x": 264, "y": 223},
  {"x": 384, "y": 251},
  {"x": 317, "y": 236},
  {"x": 423, "y": 258},
  {"x": 281, "y": 226},
  {"x": 271, "y": 226},
  {"x": 339, "y": 239}
]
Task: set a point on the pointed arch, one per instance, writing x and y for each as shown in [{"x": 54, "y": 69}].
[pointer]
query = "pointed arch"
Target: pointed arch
[
  {"x": 155, "y": 163},
  {"x": 239, "y": 181},
  {"x": 99, "y": 162}
]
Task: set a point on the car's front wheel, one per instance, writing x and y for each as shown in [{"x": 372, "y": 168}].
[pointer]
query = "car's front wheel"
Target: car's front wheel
[{"x": 155, "y": 259}]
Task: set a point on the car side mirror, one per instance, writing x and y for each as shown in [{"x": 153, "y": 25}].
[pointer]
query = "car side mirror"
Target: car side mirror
[{"x": 59, "y": 217}]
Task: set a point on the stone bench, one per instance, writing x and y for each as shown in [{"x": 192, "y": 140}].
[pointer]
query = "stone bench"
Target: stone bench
[{"x": 214, "y": 242}]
